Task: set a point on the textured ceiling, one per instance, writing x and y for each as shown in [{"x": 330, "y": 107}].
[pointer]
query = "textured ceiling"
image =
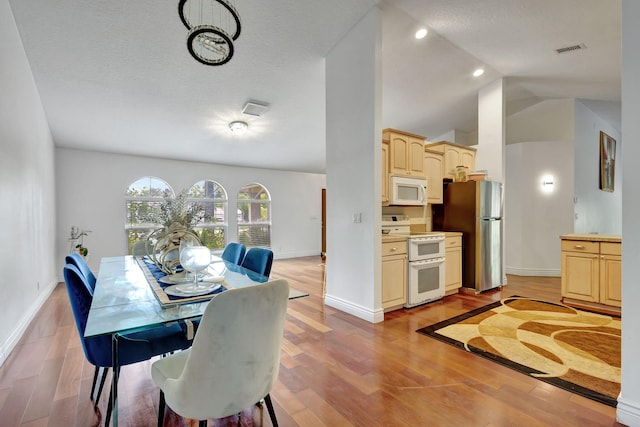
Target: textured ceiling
[{"x": 115, "y": 76}]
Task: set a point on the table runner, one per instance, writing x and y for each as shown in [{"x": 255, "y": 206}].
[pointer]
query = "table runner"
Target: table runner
[{"x": 153, "y": 273}]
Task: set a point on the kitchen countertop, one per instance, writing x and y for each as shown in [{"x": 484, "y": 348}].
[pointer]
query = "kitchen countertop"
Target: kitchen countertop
[{"x": 593, "y": 237}]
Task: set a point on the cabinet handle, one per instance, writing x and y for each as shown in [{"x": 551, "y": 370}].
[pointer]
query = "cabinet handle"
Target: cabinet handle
[
  {"x": 393, "y": 249},
  {"x": 578, "y": 247}
]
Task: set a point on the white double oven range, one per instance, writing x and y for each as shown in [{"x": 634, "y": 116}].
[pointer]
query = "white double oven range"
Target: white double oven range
[{"x": 426, "y": 269}]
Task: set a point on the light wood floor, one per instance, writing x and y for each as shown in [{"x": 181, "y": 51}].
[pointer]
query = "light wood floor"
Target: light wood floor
[{"x": 336, "y": 370}]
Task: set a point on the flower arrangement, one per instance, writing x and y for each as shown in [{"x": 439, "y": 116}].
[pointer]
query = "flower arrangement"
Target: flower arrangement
[
  {"x": 178, "y": 218},
  {"x": 177, "y": 210},
  {"x": 76, "y": 240}
]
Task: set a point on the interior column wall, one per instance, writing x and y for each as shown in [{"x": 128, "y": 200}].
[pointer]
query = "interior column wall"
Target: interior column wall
[
  {"x": 491, "y": 131},
  {"x": 354, "y": 146},
  {"x": 628, "y": 409}
]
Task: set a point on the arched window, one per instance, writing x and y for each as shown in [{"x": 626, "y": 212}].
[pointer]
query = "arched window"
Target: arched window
[
  {"x": 211, "y": 197},
  {"x": 254, "y": 216},
  {"x": 142, "y": 199}
]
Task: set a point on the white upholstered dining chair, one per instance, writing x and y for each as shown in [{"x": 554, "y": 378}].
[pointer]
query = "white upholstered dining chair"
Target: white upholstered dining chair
[{"x": 235, "y": 357}]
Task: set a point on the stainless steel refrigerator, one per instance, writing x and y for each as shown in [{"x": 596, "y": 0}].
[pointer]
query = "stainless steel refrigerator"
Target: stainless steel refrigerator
[{"x": 475, "y": 209}]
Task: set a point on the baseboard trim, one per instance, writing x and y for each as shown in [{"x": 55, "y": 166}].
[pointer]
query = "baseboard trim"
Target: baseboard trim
[
  {"x": 14, "y": 337},
  {"x": 627, "y": 413},
  {"x": 519, "y": 271},
  {"x": 364, "y": 313},
  {"x": 295, "y": 254}
]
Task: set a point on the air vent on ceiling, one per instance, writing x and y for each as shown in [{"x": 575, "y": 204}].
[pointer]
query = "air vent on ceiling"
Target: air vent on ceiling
[
  {"x": 254, "y": 108},
  {"x": 571, "y": 48}
]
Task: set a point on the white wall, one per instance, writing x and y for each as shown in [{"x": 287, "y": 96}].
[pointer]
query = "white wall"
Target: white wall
[
  {"x": 91, "y": 188},
  {"x": 596, "y": 211},
  {"x": 536, "y": 219},
  {"x": 628, "y": 410},
  {"x": 26, "y": 189},
  {"x": 555, "y": 114},
  {"x": 354, "y": 130}
]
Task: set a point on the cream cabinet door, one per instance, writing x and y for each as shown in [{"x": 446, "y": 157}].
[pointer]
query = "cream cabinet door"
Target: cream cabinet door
[
  {"x": 398, "y": 154},
  {"x": 468, "y": 158},
  {"x": 434, "y": 164},
  {"x": 385, "y": 172},
  {"x": 611, "y": 280},
  {"x": 451, "y": 160},
  {"x": 453, "y": 269},
  {"x": 394, "y": 281},
  {"x": 580, "y": 276},
  {"x": 416, "y": 157}
]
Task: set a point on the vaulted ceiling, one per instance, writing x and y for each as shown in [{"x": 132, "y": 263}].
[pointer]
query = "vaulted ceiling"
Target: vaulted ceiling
[{"x": 116, "y": 76}]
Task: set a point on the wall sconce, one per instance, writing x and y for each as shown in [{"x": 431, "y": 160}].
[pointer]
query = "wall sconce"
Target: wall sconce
[{"x": 547, "y": 183}]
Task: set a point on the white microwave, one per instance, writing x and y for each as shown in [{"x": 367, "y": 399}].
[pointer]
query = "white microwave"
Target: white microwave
[{"x": 409, "y": 191}]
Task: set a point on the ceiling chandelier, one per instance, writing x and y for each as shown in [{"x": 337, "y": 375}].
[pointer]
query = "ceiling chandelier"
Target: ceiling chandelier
[{"x": 213, "y": 27}]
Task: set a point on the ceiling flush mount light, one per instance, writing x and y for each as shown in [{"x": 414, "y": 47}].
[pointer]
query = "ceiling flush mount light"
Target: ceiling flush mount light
[
  {"x": 213, "y": 27},
  {"x": 478, "y": 72},
  {"x": 421, "y": 33},
  {"x": 547, "y": 183},
  {"x": 238, "y": 127}
]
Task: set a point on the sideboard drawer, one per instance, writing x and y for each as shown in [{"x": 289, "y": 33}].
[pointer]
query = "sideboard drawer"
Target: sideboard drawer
[{"x": 580, "y": 246}]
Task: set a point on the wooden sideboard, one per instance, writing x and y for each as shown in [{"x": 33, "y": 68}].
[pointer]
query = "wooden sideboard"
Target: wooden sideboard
[{"x": 591, "y": 276}]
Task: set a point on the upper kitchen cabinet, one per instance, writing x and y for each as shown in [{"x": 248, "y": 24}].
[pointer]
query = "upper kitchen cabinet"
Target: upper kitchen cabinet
[
  {"x": 406, "y": 153},
  {"x": 385, "y": 172},
  {"x": 434, "y": 165},
  {"x": 454, "y": 155}
]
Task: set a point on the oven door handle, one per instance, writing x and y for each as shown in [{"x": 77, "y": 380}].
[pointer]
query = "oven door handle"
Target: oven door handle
[{"x": 427, "y": 261}]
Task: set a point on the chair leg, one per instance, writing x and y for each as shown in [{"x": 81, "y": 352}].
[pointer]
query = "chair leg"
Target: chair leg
[
  {"x": 161, "y": 406},
  {"x": 109, "y": 405},
  {"x": 109, "y": 408},
  {"x": 93, "y": 384},
  {"x": 272, "y": 413},
  {"x": 105, "y": 371}
]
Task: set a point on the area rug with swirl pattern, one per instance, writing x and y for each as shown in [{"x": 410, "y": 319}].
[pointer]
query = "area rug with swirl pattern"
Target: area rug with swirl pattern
[{"x": 573, "y": 349}]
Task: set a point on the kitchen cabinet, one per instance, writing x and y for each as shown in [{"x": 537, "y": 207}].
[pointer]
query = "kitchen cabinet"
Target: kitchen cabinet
[
  {"x": 406, "y": 153},
  {"x": 385, "y": 172},
  {"x": 454, "y": 155},
  {"x": 591, "y": 275},
  {"x": 452, "y": 262},
  {"x": 434, "y": 167},
  {"x": 394, "y": 272}
]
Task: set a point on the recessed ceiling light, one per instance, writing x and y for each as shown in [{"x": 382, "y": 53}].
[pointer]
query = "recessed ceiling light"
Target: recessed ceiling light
[
  {"x": 421, "y": 33},
  {"x": 478, "y": 72},
  {"x": 238, "y": 127}
]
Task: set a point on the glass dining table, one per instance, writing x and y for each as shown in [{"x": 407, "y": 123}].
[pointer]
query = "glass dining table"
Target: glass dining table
[{"x": 127, "y": 299}]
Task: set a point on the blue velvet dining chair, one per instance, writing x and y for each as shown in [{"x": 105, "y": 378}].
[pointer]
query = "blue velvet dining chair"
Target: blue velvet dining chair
[
  {"x": 258, "y": 260},
  {"x": 80, "y": 263},
  {"x": 132, "y": 348},
  {"x": 234, "y": 252}
]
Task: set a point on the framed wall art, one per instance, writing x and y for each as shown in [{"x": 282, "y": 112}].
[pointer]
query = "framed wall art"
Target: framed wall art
[{"x": 607, "y": 162}]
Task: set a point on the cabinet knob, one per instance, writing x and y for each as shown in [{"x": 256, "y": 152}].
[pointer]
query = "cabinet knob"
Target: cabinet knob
[
  {"x": 393, "y": 249},
  {"x": 578, "y": 247}
]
